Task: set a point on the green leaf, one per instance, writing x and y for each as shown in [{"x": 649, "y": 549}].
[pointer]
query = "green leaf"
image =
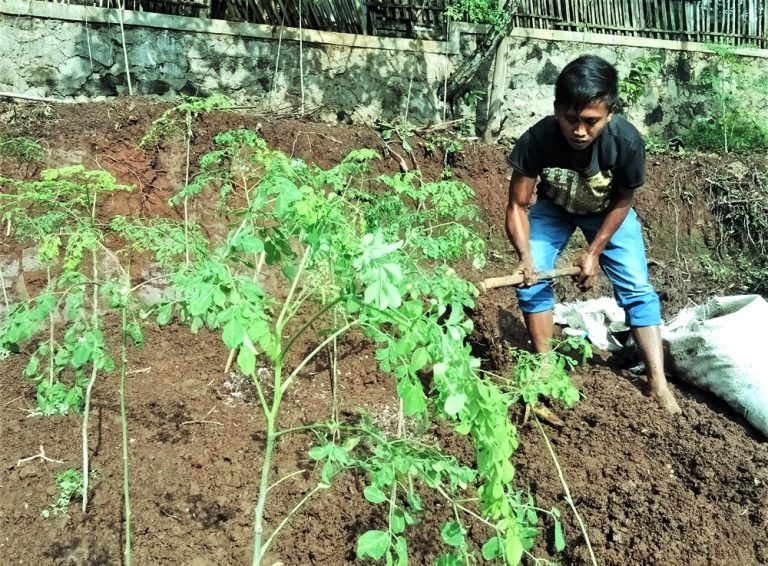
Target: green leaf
[
  {"x": 401, "y": 548},
  {"x": 452, "y": 534},
  {"x": 449, "y": 560},
  {"x": 320, "y": 452},
  {"x": 513, "y": 548},
  {"x": 81, "y": 354},
  {"x": 493, "y": 548},
  {"x": 455, "y": 403},
  {"x": 247, "y": 361},
  {"x": 419, "y": 359},
  {"x": 559, "y": 536},
  {"x": 327, "y": 473},
  {"x": 373, "y": 544},
  {"x": 134, "y": 331},
  {"x": 374, "y": 494},
  {"x": 251, "y": 245},
  {"x": 164, "y": 314},
  {"x": 289, "y": 193},
  {"x": 463, "y": 427},
  {"x": 398, "y": 522},
  {"x": 233, "y": 334},
  {"x": 31, "y": 369},
  {"x": 414, "y": 400}
]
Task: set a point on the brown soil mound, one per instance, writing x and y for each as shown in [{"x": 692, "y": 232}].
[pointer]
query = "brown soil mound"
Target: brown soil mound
[{"x": 652, "y": 489}]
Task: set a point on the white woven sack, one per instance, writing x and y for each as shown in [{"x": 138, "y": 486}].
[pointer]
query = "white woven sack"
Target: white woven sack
[{"x": 721, "y": 347}]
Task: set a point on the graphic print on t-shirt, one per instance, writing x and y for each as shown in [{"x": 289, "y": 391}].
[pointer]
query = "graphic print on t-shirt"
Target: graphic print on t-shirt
[{"x": 575, "y": 192}]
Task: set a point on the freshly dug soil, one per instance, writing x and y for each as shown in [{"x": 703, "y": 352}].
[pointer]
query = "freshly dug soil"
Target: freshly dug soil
[{"x": 652, "y": 489}]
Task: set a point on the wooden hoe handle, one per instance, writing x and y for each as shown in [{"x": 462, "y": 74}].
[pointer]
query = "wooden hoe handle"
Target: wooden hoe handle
[{"x": 517, "y": 278}]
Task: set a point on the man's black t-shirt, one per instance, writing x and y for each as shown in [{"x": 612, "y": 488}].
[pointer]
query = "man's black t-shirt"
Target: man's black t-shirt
[{"x": 618, "y": 160}]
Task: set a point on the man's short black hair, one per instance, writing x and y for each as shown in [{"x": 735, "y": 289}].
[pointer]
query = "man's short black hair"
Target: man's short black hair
[{"x": 587, "y": 80}]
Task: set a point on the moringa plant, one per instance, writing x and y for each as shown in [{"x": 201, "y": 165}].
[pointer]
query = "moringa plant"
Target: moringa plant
[{"x": 371, "y": 256}]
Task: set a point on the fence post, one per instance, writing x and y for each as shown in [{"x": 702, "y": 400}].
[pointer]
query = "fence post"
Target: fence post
[{"x": 498, "y": 87}]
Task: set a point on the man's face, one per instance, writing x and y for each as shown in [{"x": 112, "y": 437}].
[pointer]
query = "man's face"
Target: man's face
[{"x": 582, "y": 128}]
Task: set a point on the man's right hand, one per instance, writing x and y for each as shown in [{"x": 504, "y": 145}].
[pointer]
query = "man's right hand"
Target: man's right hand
[{"x": 525, "y": 267}]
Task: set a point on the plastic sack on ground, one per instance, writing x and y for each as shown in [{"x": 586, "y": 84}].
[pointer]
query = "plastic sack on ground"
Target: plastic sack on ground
[
  {"x": 598, "y": 318},
  {"x": 720, "y": 347}
]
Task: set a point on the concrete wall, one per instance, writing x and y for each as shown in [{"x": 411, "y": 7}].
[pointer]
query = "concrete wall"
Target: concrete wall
[
  {"x": 345, "y": 77},
  {"x": 675, "y": 97},
  {"x": 76, "y": 52}
]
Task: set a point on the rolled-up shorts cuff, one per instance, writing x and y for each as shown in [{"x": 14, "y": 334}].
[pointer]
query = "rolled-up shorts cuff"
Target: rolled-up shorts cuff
[
  {"x": 538, "y": 298},
  {"x": 648, "y": 313}
]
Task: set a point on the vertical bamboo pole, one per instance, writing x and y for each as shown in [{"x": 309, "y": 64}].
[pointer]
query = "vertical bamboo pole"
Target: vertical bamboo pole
[
  {"x": 576, "y": 16},
  {"x": 653, "y": 14},
  {"x": 629, "y": 17},
  {"x": 722, "y": 18},
  {"x": 677, "y": 19},
  {"x": 670, "y": 8},
  {"x": 732, "y": 23},
  {"x": 715, "y": 20},
  {"x": 587, "y": 15},
  {"x": 565, "y": 13},
  {"x": 616, "y": 13},
  {"x": 699, "y": 21},
  {"x": 765, "y": 26},
  {"x": 664, "y": 22},
  {"x": 552, "y": 12},
  {"x": 729, "y": 22}
]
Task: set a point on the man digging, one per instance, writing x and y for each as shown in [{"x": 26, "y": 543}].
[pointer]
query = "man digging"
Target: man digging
[{"x": 590, "y": 161}]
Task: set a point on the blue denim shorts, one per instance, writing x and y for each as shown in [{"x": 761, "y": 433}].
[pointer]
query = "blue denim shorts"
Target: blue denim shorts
[{"x": 623, "y": 261}]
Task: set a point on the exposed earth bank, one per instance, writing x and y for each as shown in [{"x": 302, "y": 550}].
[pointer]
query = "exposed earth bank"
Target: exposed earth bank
[{"x": 652, "y": 489}]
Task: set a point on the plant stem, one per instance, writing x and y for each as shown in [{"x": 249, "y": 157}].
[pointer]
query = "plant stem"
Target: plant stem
[
  {"x": 306, "y": 325},
  {"x": 293, "y": 511},
  {"x": 567, "y": 491},
  {"x": 50, "y": 330},
  {"x": 188, "y": 142},
  {"x": 89, "y": 388},
  {"x": 5, "y": 294},
  {"x": 334, "y": 385},
  {"x": 314, "y": 352},
  {"x": 124, "y": 426},
  {"x": 280, "y": 319},
  {"x": 258, "y": 524},
  {"x": 284, "y": 478}
]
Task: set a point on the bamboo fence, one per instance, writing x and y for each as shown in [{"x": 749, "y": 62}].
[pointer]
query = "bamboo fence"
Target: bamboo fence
[{"x": 733, "y": 22}]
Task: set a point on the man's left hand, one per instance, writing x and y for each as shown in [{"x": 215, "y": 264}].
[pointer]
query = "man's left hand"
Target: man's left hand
[{"x": 590, "y": 267}]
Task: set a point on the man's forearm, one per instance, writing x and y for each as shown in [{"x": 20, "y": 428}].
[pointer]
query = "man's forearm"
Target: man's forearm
[
  {"x": 518, "y": 230},
  {"x": 611, "y": 223}
]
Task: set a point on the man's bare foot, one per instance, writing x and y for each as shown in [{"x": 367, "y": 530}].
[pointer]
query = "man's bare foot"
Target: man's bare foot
[{"x": 665, "y": 400}]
